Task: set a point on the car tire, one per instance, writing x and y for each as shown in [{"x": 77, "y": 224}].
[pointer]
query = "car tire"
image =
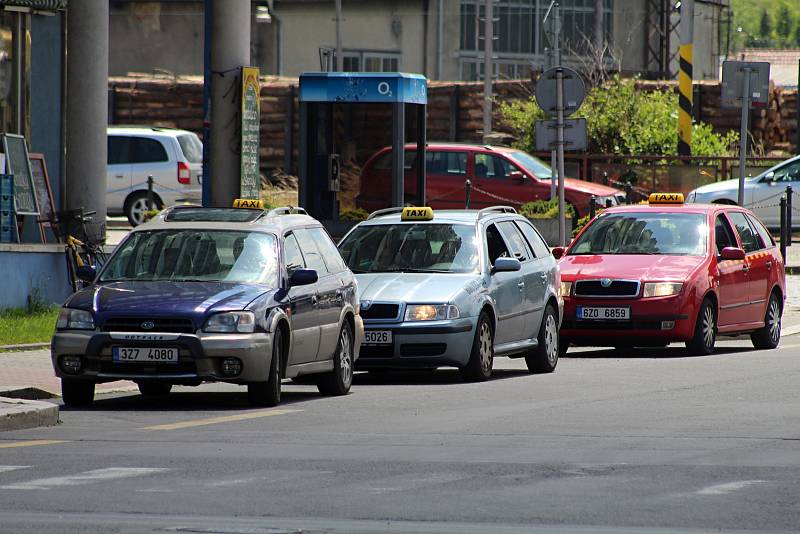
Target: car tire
[
  {"x": 544, "y": 358},
  {"x": 77, "y": 392},
  {"x": 481, "y": 358},
  {"x": 705, "y": 330},
  {"x": 153, "y": 388},
  {"x": 338, "y": 381},
  {"x": 563, "y": 346},
  {"x": 769, "y": 336},
  {"x": 136, "y": 205},
  {"x": 269, "y": 393}
]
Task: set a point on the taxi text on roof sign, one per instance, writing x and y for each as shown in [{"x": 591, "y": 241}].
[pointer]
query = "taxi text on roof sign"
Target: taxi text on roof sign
[
  {"x": 416, "y": 214},
  {"x": 252, "y": 203},
  {"x": 666, "y": 198}
]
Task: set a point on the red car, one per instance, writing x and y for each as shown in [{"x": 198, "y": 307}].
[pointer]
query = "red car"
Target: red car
[
  {"x": 499, "y": 175},
  {"x": 648, "y": 275}
]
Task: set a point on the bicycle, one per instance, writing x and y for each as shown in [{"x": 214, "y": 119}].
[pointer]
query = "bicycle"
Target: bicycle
[{"x": 79, "y": 253}]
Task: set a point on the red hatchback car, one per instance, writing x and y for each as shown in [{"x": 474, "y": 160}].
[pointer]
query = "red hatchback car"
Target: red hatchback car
[
  {"x": 498, "y": 175},
  {"x": 648, "y": 275}
]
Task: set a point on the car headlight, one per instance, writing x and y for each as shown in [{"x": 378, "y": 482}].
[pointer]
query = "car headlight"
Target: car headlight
[
  {"x": 661, "y": 289},
  {"x": 72, "y": 319},
  {"x": 564, "y": 289},
  {"x": 431, "y": 312},
  {"x": 231, "y": 322}
]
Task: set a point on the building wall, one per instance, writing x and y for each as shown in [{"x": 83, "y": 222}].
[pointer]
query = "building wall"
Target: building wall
[
  {"x": 47, "y": 96},
  {"x": 33, "y": 270}
]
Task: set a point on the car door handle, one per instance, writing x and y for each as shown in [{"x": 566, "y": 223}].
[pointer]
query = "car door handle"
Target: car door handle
[
  {"x": 521, "y": 286},
  {"x": 119, "y": 176},
  {"x": 745, "y": 268},
  {"x": 314, "y": 300},
  {"x": 769, "y": 265}
]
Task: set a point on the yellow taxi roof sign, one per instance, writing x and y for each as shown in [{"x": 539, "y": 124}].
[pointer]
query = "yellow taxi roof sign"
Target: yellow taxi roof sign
[
  {"x": 411, "y": 213},
  {"x": 666, "y": 198},
  {"x": 249, "y": 203}
]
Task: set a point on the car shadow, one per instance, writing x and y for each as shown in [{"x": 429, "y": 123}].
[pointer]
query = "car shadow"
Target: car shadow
[
  {"x": 195, "y": 400},
  {"x": 412, "y": 377},
  {"x": 647, "y": 352}
]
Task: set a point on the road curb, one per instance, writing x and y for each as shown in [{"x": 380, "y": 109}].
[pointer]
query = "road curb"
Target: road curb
[
  {"x": 18, "y": 414},
  {"x": 790, "y": 330},
  {"x": 25, "y": 346}
]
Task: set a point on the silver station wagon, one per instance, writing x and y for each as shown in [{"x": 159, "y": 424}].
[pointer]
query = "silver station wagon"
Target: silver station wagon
[{"x": 454, "y": 288}]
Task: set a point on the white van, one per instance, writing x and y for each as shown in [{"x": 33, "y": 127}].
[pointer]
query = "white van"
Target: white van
[{"x": 174, "y": 158}]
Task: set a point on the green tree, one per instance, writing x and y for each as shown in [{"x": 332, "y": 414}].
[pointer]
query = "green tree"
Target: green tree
[
  {"x": 765, "y": 26},
  {"x": 797, "y": 35},
  {"x": 784, "y": 25}
]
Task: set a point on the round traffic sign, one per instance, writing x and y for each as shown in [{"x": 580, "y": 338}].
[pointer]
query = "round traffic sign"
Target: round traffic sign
[{"x": 574, "y": 90}]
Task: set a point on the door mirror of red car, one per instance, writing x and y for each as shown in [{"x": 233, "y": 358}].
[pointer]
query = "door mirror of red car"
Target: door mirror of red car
[
  {"x": 558, "y": 252},
  {"x": 732, "y": 253},
  {"x": 517, "y": 175}
]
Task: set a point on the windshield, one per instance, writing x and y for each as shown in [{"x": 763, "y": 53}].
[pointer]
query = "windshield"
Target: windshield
[
  {"x": 195, "y": 255},
  {"x": 192, "y": 147},
  {"x": 644, "y": 233},
  {"x": 446, "y": 248},
  {"x": 532, "y": 165}
]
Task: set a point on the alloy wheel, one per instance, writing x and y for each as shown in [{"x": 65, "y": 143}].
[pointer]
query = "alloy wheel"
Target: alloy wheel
[
  {"x": 346, "y": 357},
  {"x": 774, "y": 320},
  {"x": 551, "y": 339},
  {"x": 138, "y": 209},
  {"x": 708, "y": 326},
  {"x": 485, "y": 341}
]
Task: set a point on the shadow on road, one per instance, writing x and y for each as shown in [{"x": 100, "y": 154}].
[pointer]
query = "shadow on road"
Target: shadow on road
[
  {"x": 425, "y": 377},
  {"x": 647, "y": 352}
]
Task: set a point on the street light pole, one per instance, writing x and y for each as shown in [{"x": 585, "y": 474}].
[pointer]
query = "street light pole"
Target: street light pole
[{"x": 338, "y": 64}]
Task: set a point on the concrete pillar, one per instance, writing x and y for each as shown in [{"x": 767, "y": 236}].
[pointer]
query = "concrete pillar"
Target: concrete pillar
[
  {"x": 87, "y": 108},
  {"x": 230, "y": 49}
]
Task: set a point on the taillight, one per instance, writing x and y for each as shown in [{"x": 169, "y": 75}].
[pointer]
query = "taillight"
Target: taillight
[{"x": 184, "y": 173}]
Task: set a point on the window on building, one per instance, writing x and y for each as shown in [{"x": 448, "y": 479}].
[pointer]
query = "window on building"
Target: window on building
[
  {"x": 520, "y": 38},
  {"x": 14, "y": 73},
  {"x": 363, "y": 61}
]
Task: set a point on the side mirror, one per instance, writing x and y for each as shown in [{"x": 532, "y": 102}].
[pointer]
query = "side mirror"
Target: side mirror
[
  {"x": 732, "y": 253},
  {"x": 86, "y": 273},
  {"x": 303, "y": 277},
  {"x": 504, "y": 265},
  {"x": 769, "y": 178},
  {"x": 517, "y": 175},
  {"x": 558, "y": 252}
]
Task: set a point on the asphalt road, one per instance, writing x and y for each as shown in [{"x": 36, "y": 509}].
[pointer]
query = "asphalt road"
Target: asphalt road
[{"x": 651, "y": 442}]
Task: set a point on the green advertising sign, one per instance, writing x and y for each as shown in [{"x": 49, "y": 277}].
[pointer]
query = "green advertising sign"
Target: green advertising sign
[{"x": 250, "y": 178}]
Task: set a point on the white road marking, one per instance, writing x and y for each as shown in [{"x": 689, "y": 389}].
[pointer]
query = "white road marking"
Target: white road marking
[
  {"x": 728, "y": 487},
  {"x": 88, "y": 477},
  {"x": 6, "y": 468},
  {"x": 413, "y": 482}
]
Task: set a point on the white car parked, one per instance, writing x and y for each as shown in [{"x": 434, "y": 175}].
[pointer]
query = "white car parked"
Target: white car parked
[
  {"x": 761, "y": 193},
  {"x": 174, "y": 158}
]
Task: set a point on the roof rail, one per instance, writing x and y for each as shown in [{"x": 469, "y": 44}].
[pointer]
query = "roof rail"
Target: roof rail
[
  {"x": 386, "y": 211},
  {"x": 286, "y": 210},
  {"x": 485, "y": 212}
]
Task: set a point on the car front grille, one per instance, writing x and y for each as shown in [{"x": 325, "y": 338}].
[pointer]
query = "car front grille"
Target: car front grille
[
  {"x": 380, "y": 311},
  {"x": 375, "y": 351},
  {"x": 134, "y": 324},
  {"x": 616, "y": 288}
]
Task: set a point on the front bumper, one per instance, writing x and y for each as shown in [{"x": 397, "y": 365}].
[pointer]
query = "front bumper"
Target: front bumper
[
  {"x": 200, "y": 356},
  {"x": 416, "y": 344},
  {"x": 646, "y": 324}
]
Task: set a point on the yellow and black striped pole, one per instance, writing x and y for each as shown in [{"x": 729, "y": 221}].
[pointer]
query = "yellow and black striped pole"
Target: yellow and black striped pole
[{"x": 685, "y": 79}]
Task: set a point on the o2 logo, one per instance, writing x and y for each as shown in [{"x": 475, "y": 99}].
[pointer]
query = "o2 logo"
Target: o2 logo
[{"x": 384, "y": 89}]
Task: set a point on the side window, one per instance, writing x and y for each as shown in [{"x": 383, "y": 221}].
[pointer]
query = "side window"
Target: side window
[
  {"x": 540, "y": 248},
  {"x": 723, "y": 234},
  {"x": 496, "y": 245},
  {"x": 515, "y": 240},
  {"x": 788, "y": 173},
  {"x": 292, "y": 255},
  {"x": 750, "y": 242},
  {"x": 330, "y": 254},
  {"x": 446, "y": 162},
  {"x": 762, "y": 232},
  {"x": 118, "y": 149},
  {"x": 491, "y": 166},
  {"x": 310, "y": 251},
  {"x": 146, "y": 150}
]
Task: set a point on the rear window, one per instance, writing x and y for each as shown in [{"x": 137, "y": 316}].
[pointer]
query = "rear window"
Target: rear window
[
  {"x": 144, "y": 150},
  {"x": 192, "y": 148}
]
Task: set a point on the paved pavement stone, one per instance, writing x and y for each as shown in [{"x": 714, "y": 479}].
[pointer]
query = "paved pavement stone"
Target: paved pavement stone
[{"x": 17, "y": 414}]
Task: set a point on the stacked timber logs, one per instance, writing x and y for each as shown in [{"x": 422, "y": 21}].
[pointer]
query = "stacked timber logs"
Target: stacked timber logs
[{"x": 454, "y": 114}]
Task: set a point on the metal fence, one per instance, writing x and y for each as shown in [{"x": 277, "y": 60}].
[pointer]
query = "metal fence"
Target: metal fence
[{"x": 648, "y": 174}]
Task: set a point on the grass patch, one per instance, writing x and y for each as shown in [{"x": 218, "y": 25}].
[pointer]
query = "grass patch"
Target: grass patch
[{"x": 18, "y": 325}]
